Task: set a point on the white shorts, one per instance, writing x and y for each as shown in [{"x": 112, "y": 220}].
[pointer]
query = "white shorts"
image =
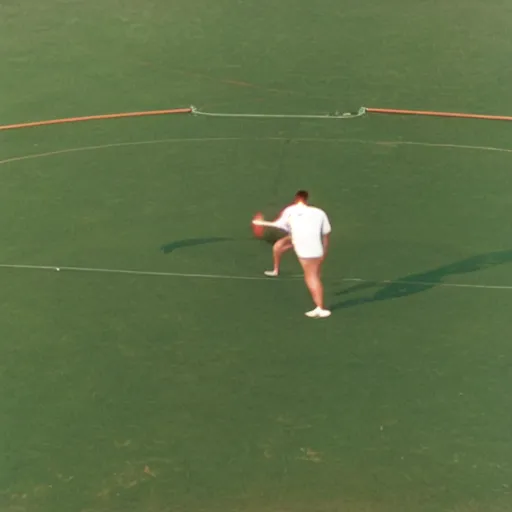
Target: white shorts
[{"x": 309, "y": 251}]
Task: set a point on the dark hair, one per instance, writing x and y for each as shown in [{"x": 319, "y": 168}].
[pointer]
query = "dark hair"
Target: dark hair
[{"x": 302, "y": 194}]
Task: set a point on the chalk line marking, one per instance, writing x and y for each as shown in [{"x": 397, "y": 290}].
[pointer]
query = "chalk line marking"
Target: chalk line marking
[
  {"x": 390, "y": 143},
  {"x": 54, "y": 268},
  {"x": 134, "y": 272},
  {"x": 114, "y": 145},
  {"x": 433, "y": 284}
]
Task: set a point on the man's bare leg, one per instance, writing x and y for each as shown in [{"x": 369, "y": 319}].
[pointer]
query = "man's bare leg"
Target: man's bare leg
[
  {"x": 312, "y": 268},
  {"x": 279, "y": 248}
]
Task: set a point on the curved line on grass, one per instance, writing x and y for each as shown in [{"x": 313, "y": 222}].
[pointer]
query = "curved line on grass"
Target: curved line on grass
[{"x": 389, "y": 143}]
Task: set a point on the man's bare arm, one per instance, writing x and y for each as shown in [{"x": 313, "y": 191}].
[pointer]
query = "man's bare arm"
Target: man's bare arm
[{"x": 325, "y": 242}]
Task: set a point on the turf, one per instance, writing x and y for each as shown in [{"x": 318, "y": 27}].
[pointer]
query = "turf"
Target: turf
[{"x": 164, "y": 389}]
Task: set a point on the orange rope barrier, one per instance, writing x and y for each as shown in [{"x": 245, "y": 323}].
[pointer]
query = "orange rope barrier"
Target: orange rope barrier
[
  {"x": 192, "y": 110},
  {"x": 96, "y": 118},
  {"x": 437, "y": 114}
]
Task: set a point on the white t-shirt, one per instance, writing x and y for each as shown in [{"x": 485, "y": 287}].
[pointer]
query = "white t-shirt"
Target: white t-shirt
[{"x": 307, "y": 225}]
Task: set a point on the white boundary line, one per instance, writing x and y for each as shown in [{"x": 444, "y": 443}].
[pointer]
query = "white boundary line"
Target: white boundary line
[
  {"x": 114, "y": 145},
  {"x": 136, "y": 272},
  {"x": 431, "y": 283},
  {"x": 245, "y": 278},
  {"x": 243, "y": 139}
]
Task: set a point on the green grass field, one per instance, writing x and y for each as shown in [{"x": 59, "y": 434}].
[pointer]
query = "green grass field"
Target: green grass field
[{"x": 190, "y": 383}]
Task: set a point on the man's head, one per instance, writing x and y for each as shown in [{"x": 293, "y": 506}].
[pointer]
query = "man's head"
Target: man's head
[{"x": 302, "y": 196}]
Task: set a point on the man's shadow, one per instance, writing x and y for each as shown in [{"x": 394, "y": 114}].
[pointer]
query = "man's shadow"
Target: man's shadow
[
  {"x": 191, "y": 242},
  {"x": 270, "y": 237},
  {"x": 422, "y": 281}
]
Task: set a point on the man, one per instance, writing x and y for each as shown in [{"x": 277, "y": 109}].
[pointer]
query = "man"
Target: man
[{"x": 309, "y": 229}]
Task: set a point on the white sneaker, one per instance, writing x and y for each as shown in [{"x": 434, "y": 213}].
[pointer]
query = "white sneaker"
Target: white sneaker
[
  {"x": 271, "y": 273},
  {"x": 318, "y": 313},
  {"x": 324, "y": 313}
]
